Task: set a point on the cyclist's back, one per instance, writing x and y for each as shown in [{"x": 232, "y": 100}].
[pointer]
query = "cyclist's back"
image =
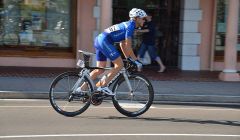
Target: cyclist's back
[{"x": 121, "y": 31}]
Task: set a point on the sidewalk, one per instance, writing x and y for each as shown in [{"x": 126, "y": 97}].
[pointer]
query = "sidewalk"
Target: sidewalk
[{"x": 172, "y": 86}]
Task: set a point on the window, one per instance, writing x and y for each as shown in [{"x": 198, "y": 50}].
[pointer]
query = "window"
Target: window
[
  {"x": 37, "y": 24},
  {"x": 222, "y": 6}
]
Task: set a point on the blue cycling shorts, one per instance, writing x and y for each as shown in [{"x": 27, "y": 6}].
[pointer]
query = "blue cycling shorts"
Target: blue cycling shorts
[{"x": 105, "y": 48}]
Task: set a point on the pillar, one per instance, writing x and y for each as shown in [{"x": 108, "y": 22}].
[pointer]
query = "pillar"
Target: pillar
[
  {"x": 106, "y": 14},
  {"x": 189, "y": 38},
  {"x": 230, "y": 55}
]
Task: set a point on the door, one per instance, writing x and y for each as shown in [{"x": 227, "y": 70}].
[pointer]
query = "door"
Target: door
[{"x": 166, "y": 17}]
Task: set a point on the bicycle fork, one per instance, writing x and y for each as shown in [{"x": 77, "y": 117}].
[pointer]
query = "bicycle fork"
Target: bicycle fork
[{"x": 128, "y": 83}]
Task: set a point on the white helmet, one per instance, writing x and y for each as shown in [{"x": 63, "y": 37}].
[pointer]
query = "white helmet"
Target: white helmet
[{"x": 137, "y": 13}]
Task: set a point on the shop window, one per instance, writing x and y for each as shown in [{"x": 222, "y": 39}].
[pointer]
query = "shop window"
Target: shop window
[
  {"x": 222, "y": 10},
  {"x": 41, "y": 24}
]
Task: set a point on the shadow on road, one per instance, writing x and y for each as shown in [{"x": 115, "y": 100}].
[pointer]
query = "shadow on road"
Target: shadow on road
[
  {"x": 220, "y": 122},
  {"x": 197, "y": 121}
]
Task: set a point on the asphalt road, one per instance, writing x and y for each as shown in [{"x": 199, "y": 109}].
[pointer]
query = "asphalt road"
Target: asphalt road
[{"x": 36, "y": 120}]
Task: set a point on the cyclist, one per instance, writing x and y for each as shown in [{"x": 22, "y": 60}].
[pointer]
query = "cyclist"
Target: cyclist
[{"x": 104, "y": 47}]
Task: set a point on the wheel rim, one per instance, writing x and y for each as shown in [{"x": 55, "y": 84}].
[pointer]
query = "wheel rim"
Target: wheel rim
[
  {"x": 64, "y": 100},
  {"x": 136, "y": 102}
]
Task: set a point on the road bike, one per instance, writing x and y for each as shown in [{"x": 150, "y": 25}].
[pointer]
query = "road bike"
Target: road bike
[{"x": 133, "y": 92}]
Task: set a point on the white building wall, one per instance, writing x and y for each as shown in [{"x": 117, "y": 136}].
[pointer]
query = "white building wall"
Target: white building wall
[{"x": 189, "y": 36}]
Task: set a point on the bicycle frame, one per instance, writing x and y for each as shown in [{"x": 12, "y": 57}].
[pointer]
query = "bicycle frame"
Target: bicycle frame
[
  {"x": 125, "y": 95},
  {"x": 85, "y": 72}
]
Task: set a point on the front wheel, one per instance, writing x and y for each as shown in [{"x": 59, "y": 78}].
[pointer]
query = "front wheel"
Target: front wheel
[
  {"x": 138, "y": 101},
  {"x": 62, "y": 97}
]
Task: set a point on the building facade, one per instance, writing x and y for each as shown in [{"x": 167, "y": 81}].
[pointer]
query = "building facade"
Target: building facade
[{"x": 191, "y": 34}]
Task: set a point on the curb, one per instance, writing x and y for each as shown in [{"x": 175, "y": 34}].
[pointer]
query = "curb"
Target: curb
[
  {"x": 23, "y": 95},
  {"x": 197, "y": 98}
]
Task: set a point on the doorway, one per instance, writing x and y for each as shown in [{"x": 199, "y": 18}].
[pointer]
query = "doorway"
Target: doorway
[{"x": 166, "y": 17}]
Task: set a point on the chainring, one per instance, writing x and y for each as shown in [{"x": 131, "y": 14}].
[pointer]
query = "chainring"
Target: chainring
[{"x": 96, "y": 99}]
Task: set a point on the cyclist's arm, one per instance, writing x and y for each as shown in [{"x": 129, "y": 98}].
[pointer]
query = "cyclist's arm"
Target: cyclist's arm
[{"x": 126, "y": 47}]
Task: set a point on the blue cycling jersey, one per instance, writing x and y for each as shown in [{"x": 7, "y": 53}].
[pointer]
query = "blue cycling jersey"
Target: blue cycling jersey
[
  {"x": 116, "y": 33},
  {"x": 121, "y": 31}
]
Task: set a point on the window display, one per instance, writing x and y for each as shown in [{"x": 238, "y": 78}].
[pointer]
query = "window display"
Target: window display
[{"x": 41, "y": 23}]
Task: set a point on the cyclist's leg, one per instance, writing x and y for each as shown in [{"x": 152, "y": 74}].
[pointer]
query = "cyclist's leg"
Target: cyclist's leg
[
  {"x": 101, "y": 62},
  {"x": 108, "y": 51},
  {"x": 94, "y": 74},
  {"x": 118, "y": 65}
]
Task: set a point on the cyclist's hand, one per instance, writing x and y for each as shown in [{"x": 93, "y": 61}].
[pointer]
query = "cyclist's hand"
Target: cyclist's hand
[{"x": 136, "y": 63}]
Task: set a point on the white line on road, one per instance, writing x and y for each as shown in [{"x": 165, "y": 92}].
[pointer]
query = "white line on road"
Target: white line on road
[{"x": 112, "y": 135}]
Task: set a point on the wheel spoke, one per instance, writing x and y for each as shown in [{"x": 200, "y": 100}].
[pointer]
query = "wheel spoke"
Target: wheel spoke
[
  {"x": 61, "y": 93},
  {"x": 136, "y": 103}
]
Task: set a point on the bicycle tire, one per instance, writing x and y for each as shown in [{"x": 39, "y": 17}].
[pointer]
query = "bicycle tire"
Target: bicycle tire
[
  {"x": 137, "y": 105},
  {"x": 59, "y": 98}
]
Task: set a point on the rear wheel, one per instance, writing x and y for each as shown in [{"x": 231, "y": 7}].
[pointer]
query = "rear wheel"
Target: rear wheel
[
  {"x": 135, "y": 103},
  {"x": 62, "y": 97}
]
